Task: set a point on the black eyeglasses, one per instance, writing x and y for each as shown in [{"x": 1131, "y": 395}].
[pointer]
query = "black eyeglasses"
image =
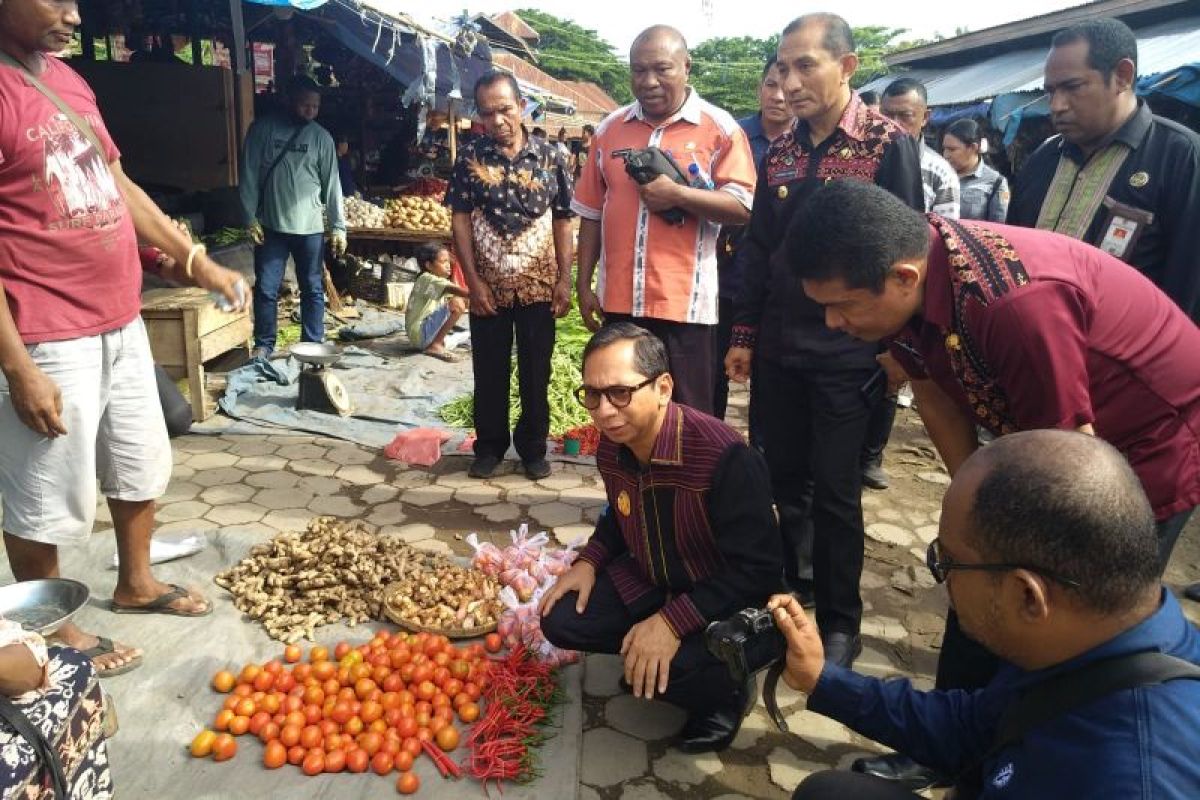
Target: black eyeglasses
[
  {"x": 618, "y": 396},
  {"x": 940, "y": 567}
]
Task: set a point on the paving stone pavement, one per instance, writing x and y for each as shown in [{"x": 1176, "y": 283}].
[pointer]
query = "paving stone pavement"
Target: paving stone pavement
[{"x": 268, "y": 483}]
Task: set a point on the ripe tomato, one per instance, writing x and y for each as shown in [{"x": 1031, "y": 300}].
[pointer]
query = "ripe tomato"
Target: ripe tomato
[
  {"x": 421, "y": 674},
  {"x": 314, "y": 696},
  {"x": 313, "y": 714},
  {"x": 440, "y": 700},
  {"x": 243, "y": 690},
  {"x": 370, "y": 742},
  {"x": 336, "y": 741},
  {"x": 249, "y": 673},
  {"x": 301, "y": 672},
  {"x": 324, "y": 670},
  {"x": 468, "y": 712},
  {"x": 318, "y": 653},
  {"x": 224, "y": 717},
  {"x": 492, "y": 643},
  {"x": 436, "y": 724},
  {"x": 392, "y": 683},
  {"x": 404, "y": 761},
  {"x": 340, "y": 650},
  {"x": 274, "y": 666},
  {"x": 202, "y": 745},
  {"x": 245, "y": 707},
  {"x": 289, "y": 735},
  {"x": 274, "y": 756},
  {"x": 422, "y": 718},
  {"x": 443, "y": 712},
  {"x": 472, "y": 690},
  {"x": 311, "y": 737},
  {"x": 269, "y": 732},
  {"x": 391, "y": 745},
  {"x": 328, "y": 726},
  {"x": 426, "y": 690},
  {"x": 331, "y": 687},
  {"x": 357, "y": 760},
  {"x": 380, "y": 674},
  {"x": 271, "y": 703},
  {"x": 295, "y": 718},
  {"x": 370, "y": 712},
  {"x": 335, "y": 761},
  {"x": 231, "y": 702},
  {"x": 239, "y": 725},
  {"x": 296, "y": 755},
  {"x": 399, "y": 656},
  {"x": 224, "y": 681},
  {"x": 452, "y": 687},
  {"x": 263, "y": 682},
  {"x": 258, "y": 722},
  {"x": 314, "y": 763},
  {"x": 447, "y": 738},
  {"x": 341, "y": 713},
  {"x": 460, "y": 669},
  {"x": 412, "y": 746},
  {"x": 407, "y": 672},
  {"x": 381, "y": 763},
  {"x": 407, "y": 727},
  {"x": 442, "y": 659},
  {"x": 292, "y": 653},
  {"x": 408, "y": 783},
  {"x": 224, "y": 747},
  {"x": 363, "y": 687},
  {"x": 354, "y": 726}
]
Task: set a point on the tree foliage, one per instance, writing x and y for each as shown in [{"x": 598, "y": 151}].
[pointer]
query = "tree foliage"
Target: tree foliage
[
  {"x": 574, "y": 53},
  {"x": 726, "y": 71}
]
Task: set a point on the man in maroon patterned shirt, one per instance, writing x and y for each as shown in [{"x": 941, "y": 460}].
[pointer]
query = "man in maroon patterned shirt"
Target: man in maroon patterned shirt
[{"x": 689, "y": 538}]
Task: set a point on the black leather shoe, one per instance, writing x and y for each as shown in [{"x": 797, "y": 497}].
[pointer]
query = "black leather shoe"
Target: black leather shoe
[
  {"x": 483, "y": 466},
  {"x": 873, "y": 477},
  {"x": 842, "y": 648},
  {"x": 902, "y": 770},
  {"x": 714, "y": 731},
  {"x": 537, "y": 469},
  {"x": 1192, "y": 592}
]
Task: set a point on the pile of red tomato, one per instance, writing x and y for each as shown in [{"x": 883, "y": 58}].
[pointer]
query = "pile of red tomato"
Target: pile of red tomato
[{"x": 357, "y": 708}]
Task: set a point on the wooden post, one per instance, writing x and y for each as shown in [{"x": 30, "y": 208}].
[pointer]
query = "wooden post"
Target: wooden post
[
  {"x": 193, "y": 20},
  {"x": 453, "y": 135},
  {"x": 239, "y": 64}
]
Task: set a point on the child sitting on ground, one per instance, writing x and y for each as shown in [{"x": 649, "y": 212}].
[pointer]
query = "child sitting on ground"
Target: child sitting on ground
[{"x": 430, "y": 313}]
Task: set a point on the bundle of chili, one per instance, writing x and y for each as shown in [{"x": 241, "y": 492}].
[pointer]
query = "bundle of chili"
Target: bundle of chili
[{"x": 519, "y": 694}]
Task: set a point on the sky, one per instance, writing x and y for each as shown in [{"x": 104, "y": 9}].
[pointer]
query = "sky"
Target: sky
[{"x": 619, "y": 21}]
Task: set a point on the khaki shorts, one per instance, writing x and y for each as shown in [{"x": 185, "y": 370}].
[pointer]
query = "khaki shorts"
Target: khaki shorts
[{"x": 115, "y": 434}]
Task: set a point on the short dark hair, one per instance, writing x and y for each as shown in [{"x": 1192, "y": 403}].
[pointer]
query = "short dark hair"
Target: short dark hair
[
  {"x": 589, "y": 129},
  {"x": 649, "y": 353},
  {"x": 491, "y": 78},
  {"x": 902, "y": 86},
  {"x": 839, "y": 36},
  {"x": 298, "y": 85},
  {"x": 427, "y": 253},
  {"x": 539, "y": 131},
  {"x": 771, "y": 61},
  {"x": 855, "y": 231},
  {"x": 966, "y": 130},
  {"x": 870, "y": 97},
  {"x": 1070, "y": 504},
  {"x": 1109, "y": 42}
]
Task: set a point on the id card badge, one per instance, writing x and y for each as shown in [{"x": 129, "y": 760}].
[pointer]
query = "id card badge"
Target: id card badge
[{"x": 1125, "y": 224}]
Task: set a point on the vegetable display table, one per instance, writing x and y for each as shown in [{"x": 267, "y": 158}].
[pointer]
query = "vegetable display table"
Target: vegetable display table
[{"x": 185, "y": 330}]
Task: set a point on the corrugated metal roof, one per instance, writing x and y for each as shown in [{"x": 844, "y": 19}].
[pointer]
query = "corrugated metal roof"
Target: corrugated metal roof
[{"x": 1161, "y": 47}]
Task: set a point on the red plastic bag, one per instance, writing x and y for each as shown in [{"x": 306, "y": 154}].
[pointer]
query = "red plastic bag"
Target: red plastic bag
[{"x": 421, "y": 446}]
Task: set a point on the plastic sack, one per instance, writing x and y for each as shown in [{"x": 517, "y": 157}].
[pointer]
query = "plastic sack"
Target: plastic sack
[
  {"x": 420, "y": 446},
  {"x": 520, "y": 624},
  {"x": 488, "y": 558}
]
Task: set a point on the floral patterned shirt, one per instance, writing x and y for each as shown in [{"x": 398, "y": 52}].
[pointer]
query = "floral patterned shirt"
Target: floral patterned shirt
[{"x": 513, "y": 203}]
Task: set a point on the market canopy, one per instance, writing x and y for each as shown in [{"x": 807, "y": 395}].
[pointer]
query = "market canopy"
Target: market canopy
[
  {"x": 1162, "y": 48},
  {"x": 434, "y": 61}
]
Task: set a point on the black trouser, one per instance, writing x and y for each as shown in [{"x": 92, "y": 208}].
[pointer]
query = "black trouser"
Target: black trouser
[
  {"x": 698, "y": 682},
  {"x": 883, "y": 417},
  {"x": 491, "y": 361},
  {"x": 835, "y": 785},
  {"x": 812, "y": 427},
  {"x": 690, "y": 351},
  {"x": 966, "y": 664},
  {"x": 723, "y": 336}
]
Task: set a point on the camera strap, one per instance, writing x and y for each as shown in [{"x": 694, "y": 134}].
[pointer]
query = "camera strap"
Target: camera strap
[{"x": 770, "y": 684}]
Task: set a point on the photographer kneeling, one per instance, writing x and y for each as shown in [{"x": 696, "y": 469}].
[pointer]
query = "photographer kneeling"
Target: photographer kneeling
[{"x": 1048, "y": 551}]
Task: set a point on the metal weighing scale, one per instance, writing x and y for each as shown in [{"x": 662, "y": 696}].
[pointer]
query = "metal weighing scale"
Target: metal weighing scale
[{"x": 320, "y": 390}]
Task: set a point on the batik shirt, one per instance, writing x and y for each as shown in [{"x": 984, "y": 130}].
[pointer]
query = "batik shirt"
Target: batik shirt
[{"x": 513, "y": 204}]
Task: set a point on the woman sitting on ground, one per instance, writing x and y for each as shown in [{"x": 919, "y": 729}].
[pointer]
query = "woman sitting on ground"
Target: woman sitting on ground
[
  {"x": 436, "y": 303},
  {"x": 984, "y": 190}
]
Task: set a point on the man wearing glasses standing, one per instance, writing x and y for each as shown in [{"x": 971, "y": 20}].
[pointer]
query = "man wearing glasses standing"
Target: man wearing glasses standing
[{"x": 689, "y": 537}]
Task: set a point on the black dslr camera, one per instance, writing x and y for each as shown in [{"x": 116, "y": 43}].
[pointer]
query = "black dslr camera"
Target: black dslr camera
[
  {"x": 646, "y": 165},
  {"x": 746, "y": 643}
]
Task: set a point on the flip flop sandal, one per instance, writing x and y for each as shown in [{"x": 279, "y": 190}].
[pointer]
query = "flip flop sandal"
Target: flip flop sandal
[
  {"x": 162, "y": 605},
  {"x": 106, "y": 647}
]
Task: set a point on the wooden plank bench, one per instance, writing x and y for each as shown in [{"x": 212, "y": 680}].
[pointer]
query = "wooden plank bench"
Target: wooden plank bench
[{"x": 186, "y": 329}]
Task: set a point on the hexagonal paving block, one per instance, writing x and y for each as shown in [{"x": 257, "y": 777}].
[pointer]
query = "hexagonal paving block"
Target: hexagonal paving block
[
  {"x": 379, "y": 494},
  {"x": 754, "y": 727},
  {"x": 433, "y": 546},
  {"x": 263, "y": 463},
  {"x": 602, "y": 674},
  {"x": 250, "y": 449},
  {"x": 584, "y": 496},
  {"x": 787, "y": 770},
  {"x": 289, "y": 519},
  {"x": 182, "y": 472},
  {"x": 642, "y": 790},
  {"x": 223, "y": 495},
  {"x": 417, "y": 532},
  {"x": 387, "y": 514},
  {"x": 511, "y": 480},
  {"x": 239, "y": 514},
  {"x": 221, "y": 476},
  {"x": 887, "y": 533},
  {"x": 335, "y": 507},
  {"x": 686, "y": 769},
  {"x": 478, "y": 494},
  {"x": 321, "y": 485},
  {"x": 887, "y": 628},
  {"x": 561, "y": 480},
  {"x": 611, "y": 758},
  {"x": 314, "y": 466},
  {"x": 360, "y": 474},
  {"x": 552, "y": 514},
  {"x": 201, "y": 444},
  {"x": 176, "y": 491},
  {"x": 347, "y": 455},
  {"x": 427, "y": 495},
  {"x": 296, "y": 452},
  {"x": 205, "y": 461},
  {"x": 573, "y": 534},
  {"x": 188, "y": 509},
  {"x": 592, "y": 514},
  {"x": 273, "y": 480},
  {"x": 648, "y": 720},
  {"x": 411, "y": 478},
  {"x": 457, "y": 480},
  {"x": 531, "y": 494},
  {"x": 501, "y": 512},
  {"x": 283, "y": 498}
]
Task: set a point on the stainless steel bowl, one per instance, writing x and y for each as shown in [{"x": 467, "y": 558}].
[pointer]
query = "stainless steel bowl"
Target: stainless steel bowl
[
  {"x": 42, "y": 606},
  {"x": 315, "y": 353}
]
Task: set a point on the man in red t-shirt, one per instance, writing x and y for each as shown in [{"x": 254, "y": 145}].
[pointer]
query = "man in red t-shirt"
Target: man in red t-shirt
[
  {"x": 1011, "y": 329},
  {"x": 77, "y": 397}
]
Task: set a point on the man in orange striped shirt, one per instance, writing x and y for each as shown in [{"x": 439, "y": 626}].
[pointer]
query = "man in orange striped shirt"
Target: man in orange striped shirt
[{"x": 660, "y": 275}]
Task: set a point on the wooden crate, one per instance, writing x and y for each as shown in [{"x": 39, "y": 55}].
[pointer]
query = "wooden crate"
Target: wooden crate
[{"x": 186, "y": 330}]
